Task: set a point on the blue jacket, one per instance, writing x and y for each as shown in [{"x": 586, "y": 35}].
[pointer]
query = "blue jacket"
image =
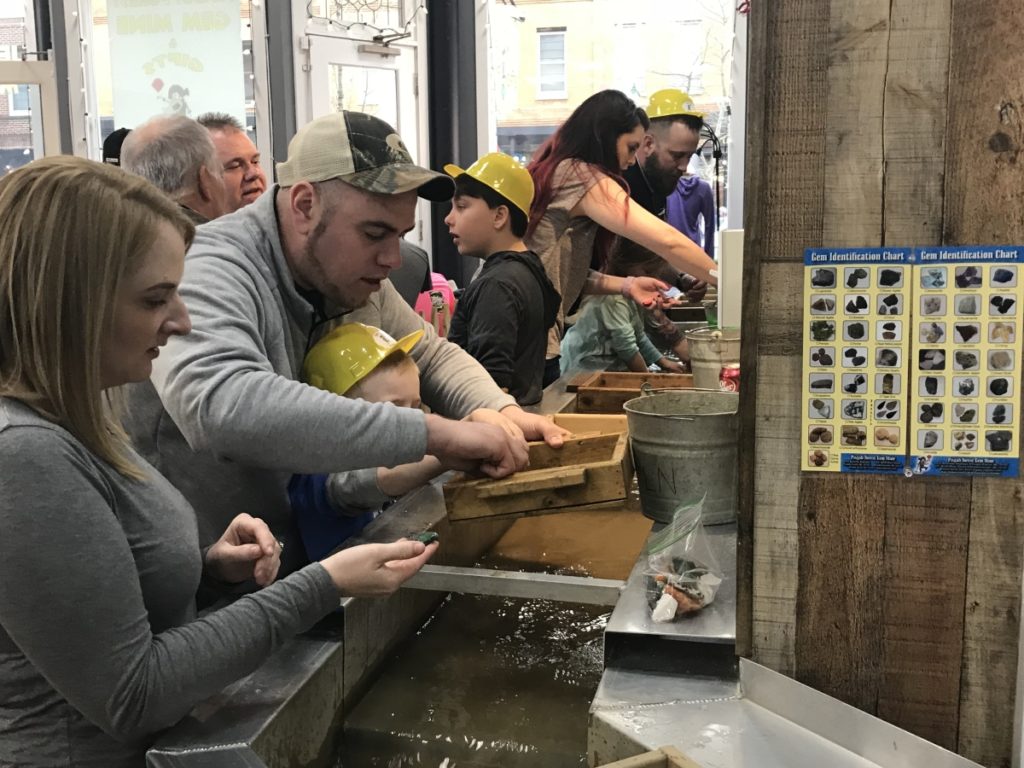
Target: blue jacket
[{"x": 322, "y": 526}]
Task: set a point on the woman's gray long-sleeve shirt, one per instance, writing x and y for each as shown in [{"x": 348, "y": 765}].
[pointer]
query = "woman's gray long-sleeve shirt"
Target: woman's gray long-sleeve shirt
[{"x": 100, "y": 647}]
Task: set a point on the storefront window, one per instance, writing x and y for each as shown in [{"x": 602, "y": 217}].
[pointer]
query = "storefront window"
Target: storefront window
[
  {"x": 547, "y": 56},
  {"x": 180, "y": 57},
  {"x": 19, "y": 130}
]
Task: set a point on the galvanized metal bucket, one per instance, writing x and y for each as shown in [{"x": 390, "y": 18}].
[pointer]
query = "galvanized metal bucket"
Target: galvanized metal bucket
[
  {"x": 684, "y": 445},
  {"x": 710, "y": 349}
]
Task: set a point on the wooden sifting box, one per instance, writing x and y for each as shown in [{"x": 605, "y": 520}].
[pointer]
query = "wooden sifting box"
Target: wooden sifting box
[
  {"x": 608, "y": 391},
  {"x": 585, "y": 423},
  {"x": 588, "y": 469}
]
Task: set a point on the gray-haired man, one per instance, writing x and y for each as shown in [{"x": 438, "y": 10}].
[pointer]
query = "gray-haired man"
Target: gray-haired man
[
  {"x": 233, "y": 421},
  {"x": 178, "y": 156}
]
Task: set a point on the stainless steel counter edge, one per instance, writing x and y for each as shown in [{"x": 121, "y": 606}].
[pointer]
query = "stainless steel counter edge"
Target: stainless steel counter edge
[
  {"x": 846, "y": 726},
  {"x": 766, "y": 720}
]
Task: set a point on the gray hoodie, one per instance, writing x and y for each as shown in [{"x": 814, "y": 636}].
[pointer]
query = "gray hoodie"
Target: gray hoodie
[{"x": 240, "y": 420}]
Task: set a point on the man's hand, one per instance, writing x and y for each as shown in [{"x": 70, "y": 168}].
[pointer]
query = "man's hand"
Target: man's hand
[
  {"x": 490, "y": 416},
  {"x": 535, "y": 427},
  {"x": 247, "y": 550},
  {"x": 473, "y": 446},
  {"x": 694, "y": 289}
]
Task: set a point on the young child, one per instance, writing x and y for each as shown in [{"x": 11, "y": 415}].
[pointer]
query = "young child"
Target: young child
[
  {"x": 357, "y": 361},
  {"x": 503, "y": 318},
  {"x": 609, "y": 334}
]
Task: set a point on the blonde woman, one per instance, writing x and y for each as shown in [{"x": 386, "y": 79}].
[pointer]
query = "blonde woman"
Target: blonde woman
[{"x": 100, "y": 647}]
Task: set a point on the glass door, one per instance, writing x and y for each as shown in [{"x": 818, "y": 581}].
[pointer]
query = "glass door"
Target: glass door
[{"x": 369, "y": 62}]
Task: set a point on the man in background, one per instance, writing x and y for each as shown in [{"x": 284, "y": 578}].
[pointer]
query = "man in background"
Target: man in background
[
  {"x": 661, "y": 161},
  {"x": 177, "y": 155},
  {"x": 239, "y": 159},
  {"x": 667, "y": 148}
]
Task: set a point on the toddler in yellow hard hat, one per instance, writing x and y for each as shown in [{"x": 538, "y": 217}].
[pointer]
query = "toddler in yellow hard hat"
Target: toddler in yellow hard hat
[
  {"x": 358, "y": 361},
  {"x": 503, "y": 317}
]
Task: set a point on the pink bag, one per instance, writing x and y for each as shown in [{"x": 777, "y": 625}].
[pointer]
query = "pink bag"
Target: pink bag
[{"x": 437, "y": 305}]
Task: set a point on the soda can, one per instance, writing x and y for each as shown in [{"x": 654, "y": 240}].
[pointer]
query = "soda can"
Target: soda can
[{"x": 729, "y": 378}]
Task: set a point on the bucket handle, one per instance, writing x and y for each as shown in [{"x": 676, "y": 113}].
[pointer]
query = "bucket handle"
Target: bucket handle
[
  {"x": 647, "y": 389},
  {"x": 716, "y": 337}
]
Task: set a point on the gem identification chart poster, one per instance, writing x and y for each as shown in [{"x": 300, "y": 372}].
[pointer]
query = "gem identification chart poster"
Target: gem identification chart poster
[{"x": 912, "y": 360}]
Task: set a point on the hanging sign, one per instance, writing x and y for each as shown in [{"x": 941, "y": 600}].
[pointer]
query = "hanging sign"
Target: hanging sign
[
  {"x": 175, "y": 58},
  {"x": 967, "y": 364},
  {"x": 856, "y": 359}
]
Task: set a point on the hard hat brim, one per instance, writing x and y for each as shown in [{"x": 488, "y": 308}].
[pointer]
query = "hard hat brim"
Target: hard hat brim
[{"x": 406, "y": 343}]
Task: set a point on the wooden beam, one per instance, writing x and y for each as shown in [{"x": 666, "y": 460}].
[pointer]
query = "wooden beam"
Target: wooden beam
[
  {"x": 922, "y": 598},
  {"x": 785, "y": 167},
  {"x": 842, "y": 518},
  {"x": 842, "y": 587},
  {"x": 926, "y": 521},
  {"x": 991, "y": 623},
  {"x": 776, "y": 564},
  {"x": 984, "y": 198},
  {"x": 758, "y": 47}
]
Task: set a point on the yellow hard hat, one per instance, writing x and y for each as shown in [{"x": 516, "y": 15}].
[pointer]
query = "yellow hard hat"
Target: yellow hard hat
[
  {"x": 349, "y": 353},
  {"x": 502, "y": 174},
  {"x": 671, "y": 101}
]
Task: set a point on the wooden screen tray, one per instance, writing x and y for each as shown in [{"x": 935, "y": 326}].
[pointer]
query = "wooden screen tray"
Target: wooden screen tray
[
  {"x": 586, "y": 470},
  {"x": 666, "y": 757},
  {"x": 586, "y": 423},
  {"x": 607, "y": 391}
]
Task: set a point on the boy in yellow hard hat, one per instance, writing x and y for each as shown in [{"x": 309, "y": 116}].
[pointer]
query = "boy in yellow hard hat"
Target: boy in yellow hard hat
[
  {"x": 503, "y": 318},
  {"x": 357, "y": 361}
]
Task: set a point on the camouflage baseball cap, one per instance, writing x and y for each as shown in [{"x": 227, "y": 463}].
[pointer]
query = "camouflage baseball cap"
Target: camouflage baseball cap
[{"x": 361, "y": 150}]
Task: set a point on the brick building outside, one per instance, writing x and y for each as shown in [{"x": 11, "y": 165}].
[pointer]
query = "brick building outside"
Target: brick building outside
[{"x": 15, "y": 121}]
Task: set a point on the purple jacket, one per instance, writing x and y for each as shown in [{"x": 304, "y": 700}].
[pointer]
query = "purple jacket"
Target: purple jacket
[{"x": 691, "y": 210}]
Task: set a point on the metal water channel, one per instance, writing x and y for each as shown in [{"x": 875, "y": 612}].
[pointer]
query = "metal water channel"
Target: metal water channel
[{"x": 650, "y": 685}]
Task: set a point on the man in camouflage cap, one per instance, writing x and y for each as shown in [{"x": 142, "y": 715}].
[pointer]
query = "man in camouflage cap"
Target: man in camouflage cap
[{"x": 226, "y": 417}]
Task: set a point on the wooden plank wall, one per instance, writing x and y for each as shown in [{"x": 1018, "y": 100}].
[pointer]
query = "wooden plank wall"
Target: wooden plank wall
[
  {"x": 984, "y": 202},
  {"x": 877, "y": 122}
]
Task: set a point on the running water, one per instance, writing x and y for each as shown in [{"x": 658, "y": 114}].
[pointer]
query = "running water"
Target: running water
[{"x": 491, "y": 682}]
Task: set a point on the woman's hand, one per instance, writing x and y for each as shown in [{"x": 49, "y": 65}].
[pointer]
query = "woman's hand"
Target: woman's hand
[
  {"x": 376, "y": 570},
  {"x": 247, "y": 550},
  {"x": 645, "y": 291}
]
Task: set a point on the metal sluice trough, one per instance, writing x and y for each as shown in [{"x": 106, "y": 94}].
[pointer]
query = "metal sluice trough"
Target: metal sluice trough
[
  {"x": 527, "y": 586},
  {"x": 677, "y": 684}
]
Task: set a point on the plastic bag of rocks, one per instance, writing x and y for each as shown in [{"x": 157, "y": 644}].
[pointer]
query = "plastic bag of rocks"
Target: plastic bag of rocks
[{"x": 682, "y": 573}]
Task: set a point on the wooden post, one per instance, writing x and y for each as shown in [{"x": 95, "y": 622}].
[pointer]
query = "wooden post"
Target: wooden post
[
  {"x": 877, "y": 122},
  {"x": 984, "y": 202}
]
